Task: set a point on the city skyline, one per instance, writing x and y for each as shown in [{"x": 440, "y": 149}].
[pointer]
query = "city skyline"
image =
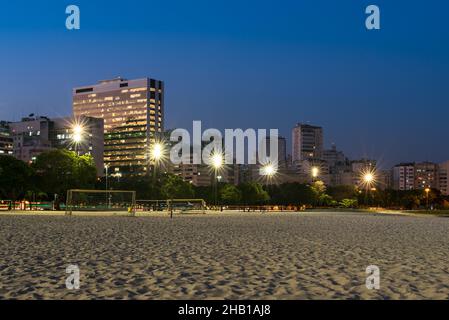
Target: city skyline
[
  {"x": 311, "y": 65},
  {"x": 224, "y": 158}
]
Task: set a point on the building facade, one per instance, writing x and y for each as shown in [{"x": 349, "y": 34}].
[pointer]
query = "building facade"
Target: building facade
[
  {"x": 133, "y": 114},
  {"x": 426, "y": 175},
  {"x": 404, "y": 176},
  {"x": 444, "y": 177},
  {"x": 33, "y": 135},
  {"x": 6, "y": 141},
  {"x": 307, "y": 142}
]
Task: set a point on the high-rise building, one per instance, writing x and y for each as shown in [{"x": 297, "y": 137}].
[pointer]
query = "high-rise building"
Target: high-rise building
[
  {"x": 404, "y": 176},
  {"x": 410, "y": 176},
  {"x": 444, "y": 177},
  {"x": 6, "y": 142},
  {"x": 307, "y": 142},
  {"x": 133, "y": 113},
  {"x": 335, "y": 159},
  {"x": 426, "y": 175}
]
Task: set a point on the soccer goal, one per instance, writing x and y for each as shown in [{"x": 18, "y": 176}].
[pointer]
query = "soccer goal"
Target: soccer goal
[
  {"x": 172, "y": 205},
  {"x": 101, "y": 201}
]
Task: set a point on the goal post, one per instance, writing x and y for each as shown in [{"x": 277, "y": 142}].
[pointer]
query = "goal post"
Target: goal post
[
  {"x": 172, "y": 205},
  {"x": 101, "y": 201}
]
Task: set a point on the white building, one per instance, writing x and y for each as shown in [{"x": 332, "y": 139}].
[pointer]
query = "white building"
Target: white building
[{"x": 404, "y": 176}]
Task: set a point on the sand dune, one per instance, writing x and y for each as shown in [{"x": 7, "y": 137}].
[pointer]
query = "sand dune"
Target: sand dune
[{"x": 230, "y": 256}]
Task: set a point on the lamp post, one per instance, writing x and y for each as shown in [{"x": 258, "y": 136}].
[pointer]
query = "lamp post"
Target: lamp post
[
  {"x": 369, "y": 179},
  {"x": 217, "y": 163},
  {"x": 156, "y": 154},
  {"x": 77, "y": 135},
  {"x": 269, "y": 171},
  {"x": 315, "y": 171},
  {"x": 106, "y": 185},
  {"x": 427, "y": 190}
]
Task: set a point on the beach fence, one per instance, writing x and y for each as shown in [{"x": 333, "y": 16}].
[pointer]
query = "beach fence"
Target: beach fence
[{"x": 101, "y": 201}]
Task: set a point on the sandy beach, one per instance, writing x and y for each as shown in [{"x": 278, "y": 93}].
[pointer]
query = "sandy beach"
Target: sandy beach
[{"x": 307, "y": 255}]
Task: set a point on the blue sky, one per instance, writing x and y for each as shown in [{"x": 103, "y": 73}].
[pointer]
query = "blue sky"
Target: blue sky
[{"x": 249, "y": 64}]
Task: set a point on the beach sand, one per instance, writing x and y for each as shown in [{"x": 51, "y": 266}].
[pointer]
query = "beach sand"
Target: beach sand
[{"x": 316, "y": 255}]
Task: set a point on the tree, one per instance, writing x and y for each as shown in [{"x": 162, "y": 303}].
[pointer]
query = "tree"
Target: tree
[
  {"x": 339, "y": 193},
  {"x": 348, "y": 203},
  {"x": 319, "y": 187},
  {"x": 292, "y": 194},
  {"x": 230, "y": 194},
  {"x": 205, "y": 193},
  {"x": 60, "y": 170},
  {"x": 175, "y": 187},
  {"x": 146, "y": 187},
  {"x": 15, "y": 178},
  {"x": 253, "y": 193}
]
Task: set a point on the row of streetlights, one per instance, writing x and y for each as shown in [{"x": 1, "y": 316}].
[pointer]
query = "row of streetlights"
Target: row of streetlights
[{"x": 269, "y": 170}]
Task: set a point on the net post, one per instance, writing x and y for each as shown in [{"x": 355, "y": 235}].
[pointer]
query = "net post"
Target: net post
[
  {"x": 68, "y": 208},
  {"x": 133, "y": 204}
]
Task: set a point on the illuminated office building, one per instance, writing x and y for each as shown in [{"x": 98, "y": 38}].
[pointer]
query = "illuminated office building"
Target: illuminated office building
[{"x": 133, "y": 113}]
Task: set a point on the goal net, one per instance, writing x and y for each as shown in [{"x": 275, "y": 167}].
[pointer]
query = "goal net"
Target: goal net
[
  {"x": 101, "y": 201},
  {"x": 172, "y": 205}
]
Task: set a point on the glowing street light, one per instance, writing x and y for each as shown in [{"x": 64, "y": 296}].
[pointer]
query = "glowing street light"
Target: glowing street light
[
  {"x": 216, "y": 161},
  {"x": 315, "y": 172},
  {"x": 157, "y": 151},
  {"x": 77, "y": 135},
  {"x": 269, "y": 170},
  {"x": 157, "y": 154},
  {"x": 368, "y": 178},
  {"x": 427, "y": 190}
]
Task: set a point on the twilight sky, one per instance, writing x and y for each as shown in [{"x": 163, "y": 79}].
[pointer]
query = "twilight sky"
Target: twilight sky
[{"x": 249, "y": 64}]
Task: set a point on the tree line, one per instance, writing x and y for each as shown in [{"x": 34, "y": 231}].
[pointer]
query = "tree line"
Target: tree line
[{"x": 54, "y": 172}]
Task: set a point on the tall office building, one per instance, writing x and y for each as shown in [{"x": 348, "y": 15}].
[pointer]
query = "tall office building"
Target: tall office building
[
  {"x": 307, "y": 142},
  {"x": 133, "y": 113}
]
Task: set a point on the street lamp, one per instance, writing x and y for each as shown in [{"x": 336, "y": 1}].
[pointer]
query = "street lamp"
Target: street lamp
[
  {"x": 106, "y": 167},
  {"x": 216, "y": 162},
  {"x": 315, "y": 172},
  {"x": 368, "y": 178},
  {"x": 269, "y": 170},
  {"x": 157, "y": 152},
  {"x": 156, "y": 155},
  {"x": 368, "y": 181},
  {"x": 77, "y": 135},
  {"x": 427, "y": 190}
]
